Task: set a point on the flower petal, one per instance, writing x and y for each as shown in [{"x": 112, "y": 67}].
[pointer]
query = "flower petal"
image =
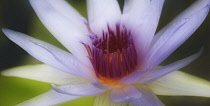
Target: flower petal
[
  {"x": 101, "y": 13},
  {"x": 49, "y": 54},
  {"x": 48, "y": 99},
  {"x": 196, "y": 6},
  {"x": 65, "y": 25},
  {"x": 166, "y": 44},
  {"x": 87, "y": 89},
  {"x": 44, "y": 73},
  {"x": 63, "y": 7},
  {"x": 163, "y": 39},
  {"x": 104, "y": 100},
  {"x": 125, "y": 94},
  {"x": 160, "y": 72},
  {"x": 142, "y": 16},
  {"x": 148, "y": 98},
  {"x": 180, "y": 83},
  {"x": 134, "y": 76},
  {"x": 138, "y": 6}
]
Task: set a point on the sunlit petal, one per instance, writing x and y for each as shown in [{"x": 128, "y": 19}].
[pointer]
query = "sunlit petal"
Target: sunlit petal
[
  {"x": 48, "y": 99},
  {"x": 182, "y": 84},
  {"x": 44, "y": 73}
]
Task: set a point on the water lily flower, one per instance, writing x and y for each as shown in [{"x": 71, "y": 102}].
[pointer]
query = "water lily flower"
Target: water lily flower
[{"x": 114, "y": 55}]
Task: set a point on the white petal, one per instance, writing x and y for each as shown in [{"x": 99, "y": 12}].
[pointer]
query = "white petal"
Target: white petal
[
  {"x": 63, "y": 7},
  {"x": 148, "y": 98},
  {"x": 137, "y": 6},
  {"x": 101, "y": 13},
  {"x": 125, "y": 94},
  {"x": 48, "y": 99},
  {"x": 49, "y": 54},
  {"x": 44, "y": 73},
  {"x": 142, "y": 17},
  {"x": 160, "y": 72},
  {"x": 68, "y": 29},
  {"x": 196, "y": 6},
  {"x": 87, "y": 89},
  {"x": 177, "y": 35},
  {"x": 104, "y": 100},
  {"x": 180, "y": 83}
]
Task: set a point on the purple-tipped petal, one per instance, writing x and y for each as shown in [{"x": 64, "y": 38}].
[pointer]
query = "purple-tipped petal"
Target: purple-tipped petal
[
  {"x": 166, "y": 44},
  {"x": 126, "y": 94},
  {"x": 142, "y": 17},
  {"x": 44, "y": 73},
  {"x": 148, "y": 98},
  {"x": 101, "y": 13},
  {"x": 160, "y": 72},
  {"x": 48, "y": 99},
  {"x": 196, "y": 6},
  {"x": 163, "y": 39},
  {"x": 79, "y": 90},
  {"x": 133, "y": 77},
  {"x": 49, "y": 54},
  {"x": 100, "y": 85},
  {"x": 66, "y": 25},
  {"x": 104, "y": 100},
  {"x": 180, "y": 84}
]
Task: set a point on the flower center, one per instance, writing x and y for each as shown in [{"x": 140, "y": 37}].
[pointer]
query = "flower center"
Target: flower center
[{"x": 113, "y": 55}]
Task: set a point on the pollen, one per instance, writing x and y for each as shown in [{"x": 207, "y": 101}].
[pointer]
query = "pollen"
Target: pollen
[{"x": 113, "y": 55}]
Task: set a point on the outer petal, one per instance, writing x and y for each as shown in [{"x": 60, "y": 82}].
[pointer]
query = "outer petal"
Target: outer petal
[
  {"x": 163, "y": 39},
  {"x": 198, "y": 5},
  {"x": 79, "y": 90},
  {"x": 180, "y": 83},
  {"x": 48, "y": 99},
  {"x": 125, "y": 94},
  {"x": 104, "y": 100},
  {"x": 44, "y": 73},
  {"x": 49, "y": 54},
  {"x": 142, "y": 16},
  {"x": 65, "y": 25},
  {"x": 166, "y": 44},
  {"x": 101, "y": 13},
  {"x": 160, "y": 72},
  {"x": 148, "y": 98}
]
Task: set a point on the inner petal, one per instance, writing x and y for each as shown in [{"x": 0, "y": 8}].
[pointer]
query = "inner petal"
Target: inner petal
[{"x": 113, "y": 55}]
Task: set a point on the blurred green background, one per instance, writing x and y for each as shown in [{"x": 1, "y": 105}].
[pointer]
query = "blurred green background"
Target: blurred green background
[{"x": 18, "y": 15}]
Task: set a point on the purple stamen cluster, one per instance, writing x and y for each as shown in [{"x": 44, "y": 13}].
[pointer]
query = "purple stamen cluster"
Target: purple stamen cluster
[{"x": 113, "y": 55}]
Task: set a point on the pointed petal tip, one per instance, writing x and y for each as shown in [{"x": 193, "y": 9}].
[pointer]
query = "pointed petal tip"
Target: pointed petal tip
[
  {"x": 55, "y": 88},
  {"x": 9, "y": 32},
  {"x": 5, "y": 30}
]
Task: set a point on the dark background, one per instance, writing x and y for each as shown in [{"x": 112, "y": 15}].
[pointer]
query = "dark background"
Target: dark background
[{"x": 18, "y": 15}]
